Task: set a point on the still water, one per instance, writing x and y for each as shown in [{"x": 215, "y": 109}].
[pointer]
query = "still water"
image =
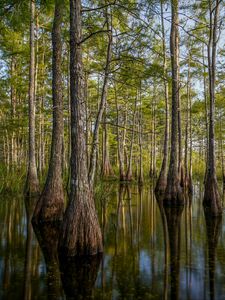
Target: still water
[{"x": 149, "y": 252}]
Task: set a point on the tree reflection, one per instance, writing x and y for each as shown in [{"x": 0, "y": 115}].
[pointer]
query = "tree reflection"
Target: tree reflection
[
  {"x": 166, "y": 244},
  {"x": 29, "y": 205},
  {"x": 213, "y": 228},
  {"x": 173, "y": 217},
  {"x": 171, "y": 221},
  {"x": 47, "y": 234},
  {"x": 78, "y": 275}
]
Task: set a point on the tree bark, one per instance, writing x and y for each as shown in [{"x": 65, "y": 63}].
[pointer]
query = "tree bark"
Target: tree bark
[
  {"x": 162, "y": 179},
  {"x": 107, "y": 169},
  {"x": 51, "y": 203},
  {"x": 187, "y": 177},
  {"x": 129, "y": 168},
  {"x": 141, "y": 175},
  {"x": 120, "y": 140},
  {"x": 32, "y": 183},
  {"x": 211, "y": 196},
  {"x": 173, "y": 193},
  {"x": 81, "y": 234}
]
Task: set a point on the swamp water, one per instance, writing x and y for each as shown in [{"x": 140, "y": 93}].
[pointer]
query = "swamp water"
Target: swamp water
[{"x": 149, "y": 252}]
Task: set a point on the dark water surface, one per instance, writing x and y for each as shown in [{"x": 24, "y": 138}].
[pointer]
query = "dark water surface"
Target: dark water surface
[{"x": 149, "y": 252}]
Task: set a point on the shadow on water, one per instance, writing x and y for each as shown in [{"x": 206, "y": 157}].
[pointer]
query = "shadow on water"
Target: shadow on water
[
  {"x": 79, "y": 275},
  {"x": 213, "y": 229}
]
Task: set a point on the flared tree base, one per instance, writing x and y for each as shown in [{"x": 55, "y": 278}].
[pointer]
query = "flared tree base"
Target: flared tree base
[
  {"x": 31, "y": 188},
  {"x": 211, "y": 200},
  {"x": 81, "y": 233},
  {"x": 174, "y": 195},
  {"x": 161, "y": 185},
  {"x": 50, "y": 207}
]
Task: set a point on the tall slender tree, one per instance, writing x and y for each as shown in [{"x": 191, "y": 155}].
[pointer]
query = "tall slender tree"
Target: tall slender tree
[
  {"x": 102, "y": 106},
  {"x": 32, "y": 183},
  {"x": 211, "y": 196},
  {"x": 81, "y": 233},
  {"x": 162, "y": 179},
  {"x": 51, "y": 203},
  {"x": 173, "y": 193}
]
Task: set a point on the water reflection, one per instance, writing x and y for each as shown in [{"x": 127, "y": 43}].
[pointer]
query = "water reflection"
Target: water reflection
[
  {"x": 47, "y": 235},
  {"x": 79, "y": 275},
  {"x": 213, "y": 228},
  {"x": 173, "y": 217},
  {"x": 149, "y": 252},
  {"x": 29, "y": 206}
]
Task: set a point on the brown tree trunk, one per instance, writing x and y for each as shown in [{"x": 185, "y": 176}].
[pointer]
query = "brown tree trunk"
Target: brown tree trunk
[
  {"x": 81, "y": 233},
  {"x": 51, "y": 203},
  {"x": 187, "y": 175},
  {"x": 221, "y": 154},
  {"x": 95, "y": 142},
  {"x": 162, "y": 179},
  {"x": 173, "y": 193},
  {"x": 106, "y": 165},
  {"x": 141, "y": 175},
  {"x": 211, "y": 196},
  {"x": 129, "y": 168},
  {"x": 120, "y": 140},
  {"x": 32, "y": 183}
]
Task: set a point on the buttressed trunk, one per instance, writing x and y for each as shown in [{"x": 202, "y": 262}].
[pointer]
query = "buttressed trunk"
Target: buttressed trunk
[
  {"x": 81, "y": 234},
  {"x": 51, "y": 203}
]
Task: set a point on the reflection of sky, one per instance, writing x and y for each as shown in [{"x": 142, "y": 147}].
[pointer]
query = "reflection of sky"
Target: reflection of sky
[{"x": 145, "y": 263}]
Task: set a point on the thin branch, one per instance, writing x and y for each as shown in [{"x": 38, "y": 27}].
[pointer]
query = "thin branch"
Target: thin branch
[
  {"x": 92, "y": 34},
  {"x": 98, "y": 8}
]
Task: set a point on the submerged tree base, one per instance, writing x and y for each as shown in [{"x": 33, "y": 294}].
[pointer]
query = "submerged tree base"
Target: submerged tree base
[
  {"x": 49, "y": 208},
  {"x": 81, "y": 233},
  {"x": 174, "y": 195},
  {"x": 31, "y": 188},
  {"x": 160, "y": 185},
  {"x": 211, "y": 200}
]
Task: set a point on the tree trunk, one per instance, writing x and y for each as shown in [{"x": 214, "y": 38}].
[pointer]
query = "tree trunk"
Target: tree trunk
[
  {"x": 129, "y": 168},
  {"x": 211, "y": 196},
  {"x": 162, "y": 179},
  {"x": 51, "y": 203},
  {"x": 32, "y": 183},
  {"x": 221, "y": 154},
  {"x": 120, "y": 141},
  {"x": 187, "y": 177},
  {"x": 141, "y": 176},
  {"x": 106, "y": 165},
  {"x": 81, "y": 233},
  {"x": 173, "y": 193},
  {"x": 95, "y": 142}
]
